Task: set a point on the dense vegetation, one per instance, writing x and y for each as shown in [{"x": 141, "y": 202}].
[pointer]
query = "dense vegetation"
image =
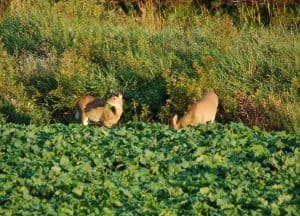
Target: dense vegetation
[
  {"x": 162, "y": 55},
  {"x": 140, "y": 169},
  {"x": 52, "y": 52}
]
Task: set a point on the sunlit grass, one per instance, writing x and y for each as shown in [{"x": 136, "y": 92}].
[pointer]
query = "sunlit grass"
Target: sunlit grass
[{"x": 80, "y": 47}]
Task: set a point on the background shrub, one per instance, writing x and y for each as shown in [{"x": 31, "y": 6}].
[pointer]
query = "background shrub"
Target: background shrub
[
  {"x": 56, "y": 51},
  {"x": 15, "y": 104},
  {"x": 20, "y": 35}
]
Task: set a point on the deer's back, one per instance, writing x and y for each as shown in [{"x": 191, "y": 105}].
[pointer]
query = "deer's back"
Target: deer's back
[
  {"x": 82, "y": 102},
  {"x": 202, "y": 111},
  {"x": 95, "y": 104},
  {"x": 206, "y": 108}
]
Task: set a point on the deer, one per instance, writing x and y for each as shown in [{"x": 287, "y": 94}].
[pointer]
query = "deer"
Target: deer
[
  {"x": 108, "y": 112},
  {"x": 203, "y": 111}
]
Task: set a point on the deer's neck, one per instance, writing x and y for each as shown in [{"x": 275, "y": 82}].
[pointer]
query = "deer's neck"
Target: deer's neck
[{"x": 175, "y": 122}]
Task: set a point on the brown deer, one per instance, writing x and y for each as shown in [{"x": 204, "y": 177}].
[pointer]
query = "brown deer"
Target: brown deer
[
  {"x": 202, "y": 111},
  {"x": 108, "y": 112}
]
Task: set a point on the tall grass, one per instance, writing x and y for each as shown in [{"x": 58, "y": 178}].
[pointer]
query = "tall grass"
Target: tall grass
[{"x": 59, "y": 51}]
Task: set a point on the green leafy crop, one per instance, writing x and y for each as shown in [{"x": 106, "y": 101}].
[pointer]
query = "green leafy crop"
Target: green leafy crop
[{"x": 148, "y": 169}]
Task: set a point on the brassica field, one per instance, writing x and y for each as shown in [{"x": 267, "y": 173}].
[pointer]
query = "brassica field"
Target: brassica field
[{"x": 148, "y": 169}]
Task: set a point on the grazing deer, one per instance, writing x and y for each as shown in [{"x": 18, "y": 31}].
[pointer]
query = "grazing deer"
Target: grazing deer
[
  {"x": 108, "y": 112},
  {"x": 200, "y": 112}
]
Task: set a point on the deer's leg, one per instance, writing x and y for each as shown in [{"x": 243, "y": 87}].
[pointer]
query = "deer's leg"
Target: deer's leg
[{"x": 84, "y": 119}]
